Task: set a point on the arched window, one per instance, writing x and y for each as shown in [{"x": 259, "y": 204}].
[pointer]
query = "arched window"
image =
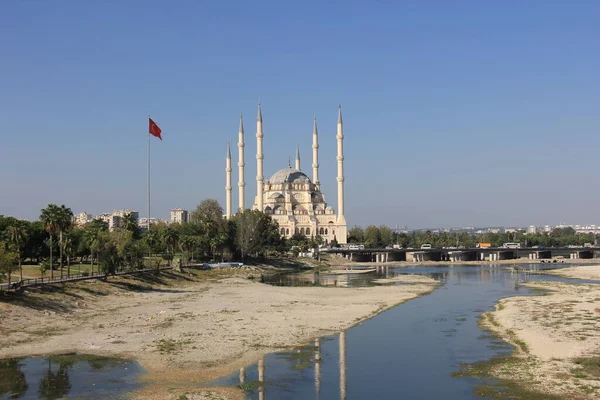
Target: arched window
[
  {"x": 308, "y": 231},
  {"x": 296, "y": 230},
  {"x": 327, "y": 233},
  {"x": 287, "y": 231},
  {"x": 282, "y": 231},
  {"x": 302, "y": 231},
  {"x": 321, "y": 231},
  {"x": 333, "y": 232}
]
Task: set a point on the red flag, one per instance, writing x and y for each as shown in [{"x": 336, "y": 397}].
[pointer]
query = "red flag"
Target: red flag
[{"x": 154, "y": 129}]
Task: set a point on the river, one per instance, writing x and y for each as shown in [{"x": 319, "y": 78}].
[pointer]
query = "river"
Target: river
[{"x": 408, "y": 352}]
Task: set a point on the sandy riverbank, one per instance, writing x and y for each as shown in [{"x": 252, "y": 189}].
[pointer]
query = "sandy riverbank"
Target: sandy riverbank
[
  {"x": 591, "y": 272},
  {"x": 557, "y": 338},
  {"x": 185, "y": 330}
]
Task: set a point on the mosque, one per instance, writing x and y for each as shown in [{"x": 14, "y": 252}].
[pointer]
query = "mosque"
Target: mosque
[{"x": 289, "y": 196}]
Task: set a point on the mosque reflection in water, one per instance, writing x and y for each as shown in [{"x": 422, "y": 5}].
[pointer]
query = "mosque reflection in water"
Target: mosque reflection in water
[{"x": 315, "y": 358}]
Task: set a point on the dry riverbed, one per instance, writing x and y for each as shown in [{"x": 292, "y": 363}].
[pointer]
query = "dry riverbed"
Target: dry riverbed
[
  {"x": 185, "y": 329},
  {"x": 591, "y": 272},
  {"x": 557, "y": 339}
]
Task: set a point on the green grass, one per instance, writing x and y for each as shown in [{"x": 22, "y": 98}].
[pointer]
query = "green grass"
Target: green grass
[
  {"x": 171, "y": 346},
  {"x": 501, "y": 389},
  {"x": 251, "y": 385},
  {"x": 587, "y": 368}
]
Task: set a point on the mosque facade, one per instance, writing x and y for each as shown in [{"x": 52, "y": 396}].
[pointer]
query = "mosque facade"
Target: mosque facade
[{"x": 289, "y": 196}]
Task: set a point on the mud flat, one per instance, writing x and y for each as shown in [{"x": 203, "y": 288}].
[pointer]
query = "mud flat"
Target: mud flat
[
  {"x": 185, "y": 329},
  {"x": 557, "y": 341}
]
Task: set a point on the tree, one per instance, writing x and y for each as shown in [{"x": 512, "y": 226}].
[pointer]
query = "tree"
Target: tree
[
  {"x": 92, "y": 233},
  {"x": 8, "y": 261},
  {"x": 187, "y": 243},
  {"x": 68, "y": 250},
  {"x": 50, "y": 217},
  {"x": 170, "y": 236},
  {"x": 256, "y": 233},
  {"x": 387, "y": 236},
  {"x": 108, "y": 256},
  {"x": 153, "y": 241},
  {"x": 35, "y": 247},
  {"x": 208, "y": 210},
  {"x": 129, "y": 223},
  {"x": 372, "y": 237},
  {"x": 65, "y": 222},
  {"x": 17, "y": 238},
  {"x": 356, "y": 235}
]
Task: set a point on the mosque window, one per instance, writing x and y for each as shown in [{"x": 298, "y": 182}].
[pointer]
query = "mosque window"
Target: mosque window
[
  {"x": 282, "y": 231},
  {"x": 327, "y": 233},
  {"x": 321, "y": 231},
  {"x": 302, "y": 231},
  {"x": 287, "y": 231},
  {"x": 308, "y": 231},
  {"x": 296, "y": 230}
]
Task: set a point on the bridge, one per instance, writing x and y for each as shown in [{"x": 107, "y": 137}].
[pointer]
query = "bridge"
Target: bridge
[{"x": 465, "y": 254}]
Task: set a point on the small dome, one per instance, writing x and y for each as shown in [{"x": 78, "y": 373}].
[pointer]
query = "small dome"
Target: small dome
[
  {"x": 276, "y": 196},
  {"x": 289, "y": 175},
  {"x": 329, "y": 208},
  {"x": 267, "y": 208}
]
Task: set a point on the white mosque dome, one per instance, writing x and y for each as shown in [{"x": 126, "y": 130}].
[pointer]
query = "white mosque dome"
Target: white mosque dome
[{"x": 289, "y": 175}]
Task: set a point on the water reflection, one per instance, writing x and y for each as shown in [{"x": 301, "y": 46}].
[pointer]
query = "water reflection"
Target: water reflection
[
  {"x": 63, "y": 376},
  {"x": 343, "y": 365},
  {"x": 12, "y": 379},
  {"x": 261, "y": 379},
  {"x": 54, "y": 384}
]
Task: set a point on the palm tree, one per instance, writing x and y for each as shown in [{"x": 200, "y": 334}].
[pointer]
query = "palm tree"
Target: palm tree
[
  {"x": 129, "y": 223},
  {"x": 92, "y": 236},
  {"x": 17, "y": 237},
  {"x": 65, "y": 222},
  {"x": 171, "y": 237},
  {"x": 68, "y": 250},
  {"x": 187, "y": 243},
  {"x": 50, "y": 217}
]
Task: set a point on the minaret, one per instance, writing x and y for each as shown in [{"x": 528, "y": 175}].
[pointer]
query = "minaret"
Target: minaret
[
  {"x": 259, "y": 161},
  {"x": 241, "y": 165},
  {"x": 315, "y": 147},
  {"x": 340, "y": 162},
  {"x": 297, "y": 156},
  {"x": 228, "y": 182}
]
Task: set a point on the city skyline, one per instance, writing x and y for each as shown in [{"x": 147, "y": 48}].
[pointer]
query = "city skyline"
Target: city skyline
[{"x": 462, "y": 114}]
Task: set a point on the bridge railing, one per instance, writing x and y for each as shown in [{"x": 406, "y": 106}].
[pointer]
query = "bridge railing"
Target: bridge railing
[{"x": 72, "y": 278}]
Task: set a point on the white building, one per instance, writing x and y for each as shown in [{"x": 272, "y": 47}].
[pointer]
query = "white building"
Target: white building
[
  {"x": 114, "y": 219},
  {"x": 143, "y": 222},
  {"x": 82, "y": 218},
  {"x": 178, "y": 216},
  {"x": 289, "y": 196},
  {"x": 531, "y": 229}
]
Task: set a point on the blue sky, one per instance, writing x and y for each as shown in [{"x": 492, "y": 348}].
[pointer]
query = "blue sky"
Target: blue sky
[{"x": 456, "y": 113}]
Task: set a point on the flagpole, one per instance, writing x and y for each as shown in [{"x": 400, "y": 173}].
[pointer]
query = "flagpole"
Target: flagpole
[{"x": 148, "y": 222}]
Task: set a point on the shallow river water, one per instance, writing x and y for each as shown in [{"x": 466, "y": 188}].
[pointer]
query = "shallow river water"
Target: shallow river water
[
  {"x": 68, "y": 377},
  {"x": 407, "y": 352}
]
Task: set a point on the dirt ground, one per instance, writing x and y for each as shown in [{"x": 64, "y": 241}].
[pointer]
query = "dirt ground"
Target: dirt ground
[
  {"x": 557, "y": 337},
  {"x": 185, "y": 329}
]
